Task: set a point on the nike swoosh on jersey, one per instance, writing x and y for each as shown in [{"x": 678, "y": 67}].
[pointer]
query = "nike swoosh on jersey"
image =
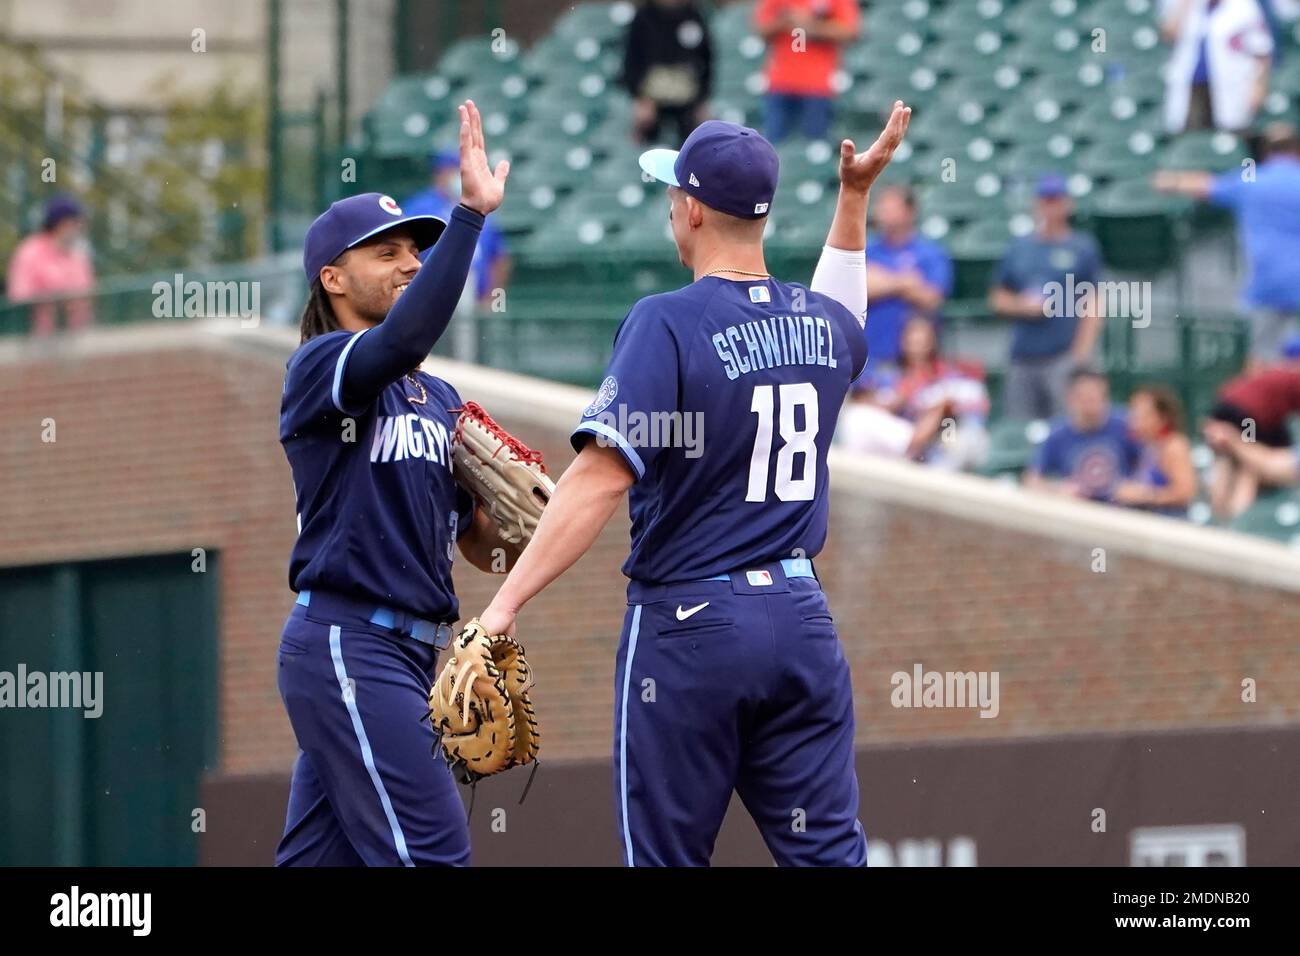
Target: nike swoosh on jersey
[{"x": 683, "y": 615}]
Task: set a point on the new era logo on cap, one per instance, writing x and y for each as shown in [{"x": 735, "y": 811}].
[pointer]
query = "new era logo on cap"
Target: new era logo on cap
[{"x": 727, "y": 167}]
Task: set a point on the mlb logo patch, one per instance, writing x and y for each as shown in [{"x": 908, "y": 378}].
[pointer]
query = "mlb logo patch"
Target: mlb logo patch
[
  {"x": 761, "y": 208},
  {"x": 759, "y": 294},
  {"x": 758, "y": 578}
]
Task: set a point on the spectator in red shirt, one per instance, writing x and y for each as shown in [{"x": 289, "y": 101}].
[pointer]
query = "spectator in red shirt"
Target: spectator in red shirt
[
  {"x": 54, "y": 262},
  {"x": 1248, "y": 431},
  {"x": 804, "y": 39}
]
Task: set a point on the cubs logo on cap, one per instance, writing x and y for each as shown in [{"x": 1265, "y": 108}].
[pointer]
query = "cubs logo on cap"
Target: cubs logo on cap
[{"x": 350, "y": 222}]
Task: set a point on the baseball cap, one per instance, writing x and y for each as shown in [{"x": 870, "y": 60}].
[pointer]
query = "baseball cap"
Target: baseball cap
[
  {"x": 727, "y": 167},
  {"x": 443, "y": 159},
  {"x": 1052, "y": 185},
  {"x": 60, "y": 208},
  {"x": 351, "y": 221}
]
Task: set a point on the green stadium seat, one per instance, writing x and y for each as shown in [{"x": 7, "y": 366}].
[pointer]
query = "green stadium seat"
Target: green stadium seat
[
  {"x": 988, "y": 87},
  {"x": 946, "y": 205},
  {"x": 979, "y": 52},
  {"x": 1216, "y": 152},
  {"x": 1136, "y": 226},
  {"x": 969, "y": 18},
  {"x": 1111, "y": 162},
  {"x": 975, "y": 250},
  {"x": 1027, "y": 120},
  {"x": 1275, "y": 515},
  {"x": 603, "y": 22},
  {"x": 479, "y": 59}
]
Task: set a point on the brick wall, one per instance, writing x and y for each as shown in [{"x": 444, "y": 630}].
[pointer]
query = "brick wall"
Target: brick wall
[{"x": 166, "y": 441}]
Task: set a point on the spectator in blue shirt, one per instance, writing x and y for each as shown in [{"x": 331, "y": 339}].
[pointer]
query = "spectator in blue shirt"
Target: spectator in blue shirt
[
  {"x": 492, "y": 263},
  {"x": 1090, "y": 452},
  {"x": 1266, "y": 203},
  {"x": 1046, "y": 285},
  {"x": 907, "y": 275}
]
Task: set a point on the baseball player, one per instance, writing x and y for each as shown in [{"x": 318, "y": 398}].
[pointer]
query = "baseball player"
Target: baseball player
[
  {"x": 367, "y": 435},
  {"x": 729, "y": 674}
]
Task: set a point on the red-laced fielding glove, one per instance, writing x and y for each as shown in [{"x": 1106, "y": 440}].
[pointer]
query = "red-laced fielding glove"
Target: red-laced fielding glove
[{"x": 501, "y": 472}]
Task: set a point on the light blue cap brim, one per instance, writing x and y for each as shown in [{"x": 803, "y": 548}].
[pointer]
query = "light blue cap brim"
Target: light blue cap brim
[{"x": 660, "y": 164}]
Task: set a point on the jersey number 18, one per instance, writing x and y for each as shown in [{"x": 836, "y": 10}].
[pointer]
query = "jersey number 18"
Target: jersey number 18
[{"x": 797, "y": 441}]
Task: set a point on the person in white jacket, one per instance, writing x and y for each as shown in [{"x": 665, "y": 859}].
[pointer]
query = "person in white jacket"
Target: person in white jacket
[{"x": 1218, "y": 74}]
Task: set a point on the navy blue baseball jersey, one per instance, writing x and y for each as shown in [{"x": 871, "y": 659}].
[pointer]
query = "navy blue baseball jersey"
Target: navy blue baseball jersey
[
  {"x": 378, "y": 510},
  {"x": 723, "y": 398}
]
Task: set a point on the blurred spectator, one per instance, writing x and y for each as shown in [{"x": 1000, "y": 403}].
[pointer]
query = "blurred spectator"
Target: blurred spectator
[
  {"x": 1218, "y": 72},
  {"x": 906, "y": 273},
  {"x": 54, "y": 262},
  {"x": 492, "y": 263},
  {"x": 1248, "y": 429},
  {"x": 667, "y": 69},
  {"x": 1267, "y": 207},
  {"x": 1038, "y": 269},
  {"x": 1165, "y": 481},
  {"x": 1090, "y": 452},
  {"x": 929, "y": 409},
  {"x": 804, "y": 39}
]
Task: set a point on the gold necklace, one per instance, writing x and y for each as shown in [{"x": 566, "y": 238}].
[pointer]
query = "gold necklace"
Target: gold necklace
[
  {"x": 424, "y": 396},
  {"x": 742, "y": 272}
]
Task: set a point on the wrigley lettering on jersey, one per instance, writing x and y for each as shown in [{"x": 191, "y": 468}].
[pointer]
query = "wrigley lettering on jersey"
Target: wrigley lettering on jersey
[
  {"x": 398, "y": 437},
  {"x": 773, "y": 341}
]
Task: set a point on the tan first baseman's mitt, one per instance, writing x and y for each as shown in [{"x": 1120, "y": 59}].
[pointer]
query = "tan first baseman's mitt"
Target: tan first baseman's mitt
[
  {"x": 501, "y": 472},
  {"x": 480, "y": 705}
]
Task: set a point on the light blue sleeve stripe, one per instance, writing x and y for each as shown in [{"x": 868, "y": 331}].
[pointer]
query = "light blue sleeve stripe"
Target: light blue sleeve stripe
[
  {"x": 622, "y": 733},
  {"x": 337, "y": 393},
  {"x": 349, "y": 698},
  {"x": 607, "y": 431}
]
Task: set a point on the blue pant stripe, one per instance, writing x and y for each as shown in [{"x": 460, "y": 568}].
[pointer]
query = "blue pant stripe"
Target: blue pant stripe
[
  {"x": 622, "y": 734},
  {"x": 349, "y": 698}
]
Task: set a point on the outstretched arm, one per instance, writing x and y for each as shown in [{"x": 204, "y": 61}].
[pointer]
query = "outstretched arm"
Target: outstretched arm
[
  {"x": 413, "y": 326},
  {"x": 585, "y": 498},
  {"x": 842, "y": 270}
]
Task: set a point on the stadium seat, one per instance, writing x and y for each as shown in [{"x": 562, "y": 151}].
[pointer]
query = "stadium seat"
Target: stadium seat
[
  {"x": 603, "y": 22},
  {"x": 1136, "y": 226},
  {"x": 479, "y": 59},
  {"x": 975, "y": 250},
  {"x": 1204, "y": 149}
]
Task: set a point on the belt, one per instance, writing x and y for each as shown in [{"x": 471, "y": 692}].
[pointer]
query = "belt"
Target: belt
[
  {"x": 767, "y": 578},
  {"x": 408, "y": 625},
  {"x": 791, "y": 567}
]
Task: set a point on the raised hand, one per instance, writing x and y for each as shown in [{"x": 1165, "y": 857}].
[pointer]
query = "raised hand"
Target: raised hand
[
  {"x": 481, "y": 189},
  {"x": 859, "y": 170}
]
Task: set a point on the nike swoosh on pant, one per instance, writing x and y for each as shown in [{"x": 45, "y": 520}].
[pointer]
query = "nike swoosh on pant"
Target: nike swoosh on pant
[{"x": 683, "y": 615}]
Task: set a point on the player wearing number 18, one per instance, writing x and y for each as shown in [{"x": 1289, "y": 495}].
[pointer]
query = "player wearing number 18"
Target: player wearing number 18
[{"x": 730, "y": 675}]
